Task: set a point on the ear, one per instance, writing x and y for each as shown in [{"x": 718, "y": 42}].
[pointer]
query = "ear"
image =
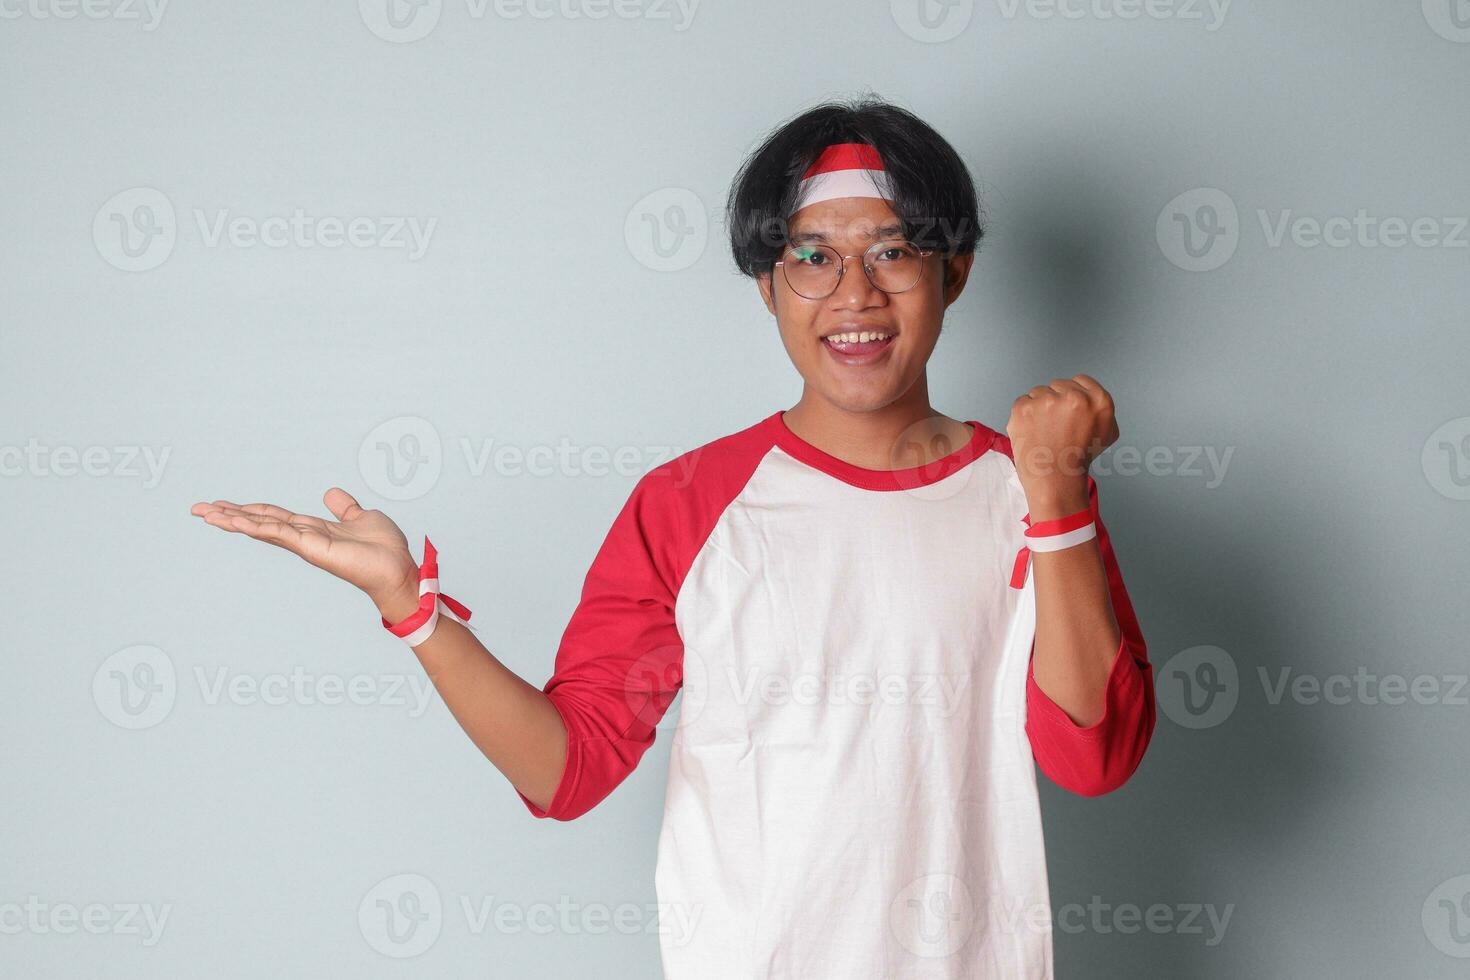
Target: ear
[
  {"x": 763, "y": 281},
  {"x": 956, "y": 274}
]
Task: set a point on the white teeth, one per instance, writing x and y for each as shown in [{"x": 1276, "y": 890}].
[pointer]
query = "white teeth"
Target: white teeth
[{"x": 858, "y": 338}]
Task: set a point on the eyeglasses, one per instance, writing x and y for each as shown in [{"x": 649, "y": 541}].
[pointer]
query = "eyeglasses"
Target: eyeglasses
[{"x": 814, "y": 271}]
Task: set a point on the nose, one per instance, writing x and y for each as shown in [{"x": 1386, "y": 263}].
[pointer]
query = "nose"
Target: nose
[{"x": 854, "y": 288}]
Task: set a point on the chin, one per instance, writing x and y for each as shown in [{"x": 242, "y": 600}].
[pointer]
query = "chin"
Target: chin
[{"x": 859, "y": 400}]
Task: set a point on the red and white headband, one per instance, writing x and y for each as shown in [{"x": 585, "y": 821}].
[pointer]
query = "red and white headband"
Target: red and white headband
[{"x": 844, "y": 170}]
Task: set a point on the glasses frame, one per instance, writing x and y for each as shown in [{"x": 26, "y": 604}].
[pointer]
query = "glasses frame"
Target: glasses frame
[{"x": 867, "y": 267}]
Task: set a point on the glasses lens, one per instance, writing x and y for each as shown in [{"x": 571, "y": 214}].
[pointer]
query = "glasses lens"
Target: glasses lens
[
  {"x": 893, "y": 266},
  {"x": 812, "y": 270}
]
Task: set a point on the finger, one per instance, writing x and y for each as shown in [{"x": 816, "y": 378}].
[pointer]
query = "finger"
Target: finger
[
  {"x": 1094, "y": 389},
  {"x": 206, "y": 509},
  {"x": 1088, "y": 381},
  {"x": 341, "y": 504},
  {"x": 271, "y": 512},
  {"x": 284, "y": 516},
  {"x": 217, "y": 518},
  {"x": 236, "y": 523},
  {"x": 205, "y": 506},
  {"x": 265, "y": 529},
  {"x": 268, "y": 510},
  {"x": 233, "y": 515},
  {"x": 1063, "y": 386}
]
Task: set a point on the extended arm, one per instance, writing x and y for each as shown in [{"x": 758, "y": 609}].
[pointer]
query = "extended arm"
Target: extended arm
[
  {"x": 515, "y": 725},
  {"x": 512, "y": 722}
]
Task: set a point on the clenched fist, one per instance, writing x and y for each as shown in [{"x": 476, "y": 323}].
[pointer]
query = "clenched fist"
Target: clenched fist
[{"x": 1056, "y": 431}]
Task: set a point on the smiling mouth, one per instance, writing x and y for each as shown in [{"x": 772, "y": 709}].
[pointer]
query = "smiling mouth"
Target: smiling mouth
[{"x": 858, "y": 346}]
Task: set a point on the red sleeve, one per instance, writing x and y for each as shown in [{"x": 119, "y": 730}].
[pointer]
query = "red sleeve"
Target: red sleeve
[
  {"x": 1100, "y": 758},
  {"x": 621, "y": 659},
  {"x": 620, "y": 662}
]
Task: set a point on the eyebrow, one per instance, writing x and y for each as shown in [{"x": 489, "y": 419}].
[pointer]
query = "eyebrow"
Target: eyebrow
[{"x": 801, "y": 238}]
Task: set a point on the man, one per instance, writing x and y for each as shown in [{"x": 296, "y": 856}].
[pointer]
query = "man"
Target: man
[{"x": 879, "y": 616}]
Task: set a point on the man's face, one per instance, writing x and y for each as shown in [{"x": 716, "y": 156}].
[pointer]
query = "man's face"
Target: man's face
[{"x": 866, "y": 376}]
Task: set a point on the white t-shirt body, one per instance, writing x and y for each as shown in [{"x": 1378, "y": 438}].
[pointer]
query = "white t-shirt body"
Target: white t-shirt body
[{"x": 852, "y": 783}]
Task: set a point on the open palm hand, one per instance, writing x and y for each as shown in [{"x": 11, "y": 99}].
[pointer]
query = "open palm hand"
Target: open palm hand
[{"x": 363, "y": 547}]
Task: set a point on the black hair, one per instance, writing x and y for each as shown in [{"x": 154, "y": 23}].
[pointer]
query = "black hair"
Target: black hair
[{"x": 933, "y": 193}]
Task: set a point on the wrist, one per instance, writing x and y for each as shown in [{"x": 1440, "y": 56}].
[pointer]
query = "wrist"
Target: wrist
[
  {"x": 400, "y": 601},
  {"x": 397, "y": 608},
  {"x": 1053, "y": 499},
  {"x": 415, "y": 623}
]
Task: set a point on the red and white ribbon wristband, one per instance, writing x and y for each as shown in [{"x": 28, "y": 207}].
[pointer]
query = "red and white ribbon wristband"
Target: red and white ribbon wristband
[
  {"x": 1063, "y": 532},
  {"x": 1054, "y": 535},
  {"x": 417, "y": 627}
]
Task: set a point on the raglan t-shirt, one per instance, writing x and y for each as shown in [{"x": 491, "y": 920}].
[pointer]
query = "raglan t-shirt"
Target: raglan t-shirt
[{"x": 852, "y": 783}]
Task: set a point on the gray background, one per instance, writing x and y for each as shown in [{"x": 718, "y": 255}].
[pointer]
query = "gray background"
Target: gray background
[{"x": 544, "y": 313}]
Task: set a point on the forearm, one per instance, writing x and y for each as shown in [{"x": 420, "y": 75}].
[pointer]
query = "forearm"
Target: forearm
[
  {"x": 513, "y": 723},
  {"x": 1077, "y": 636}
]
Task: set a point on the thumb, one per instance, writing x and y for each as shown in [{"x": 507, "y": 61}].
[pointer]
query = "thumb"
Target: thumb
[{"x": 341, "y": 504}]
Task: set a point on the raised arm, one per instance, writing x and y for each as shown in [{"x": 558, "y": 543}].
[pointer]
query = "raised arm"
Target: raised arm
[
  {"x": 1089, "y": 687},
  {"x": 1096, "y": 749}
]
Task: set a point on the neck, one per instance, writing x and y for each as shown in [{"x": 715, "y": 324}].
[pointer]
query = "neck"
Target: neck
[{"x": 905, "y": 432}]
